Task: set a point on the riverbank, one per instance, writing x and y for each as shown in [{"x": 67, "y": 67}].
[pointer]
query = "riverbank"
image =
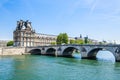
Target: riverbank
[{"x": 12, "y": 51}]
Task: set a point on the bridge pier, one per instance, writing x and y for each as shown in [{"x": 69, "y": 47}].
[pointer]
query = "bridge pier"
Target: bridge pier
[
  {"x": 83, "y": 55},
  {"x": 117, "y": 57},
  {"x": 56, "y": 54}
]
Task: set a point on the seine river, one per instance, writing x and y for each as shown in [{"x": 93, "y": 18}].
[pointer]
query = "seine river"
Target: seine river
[{"x": 31, "y": 67}]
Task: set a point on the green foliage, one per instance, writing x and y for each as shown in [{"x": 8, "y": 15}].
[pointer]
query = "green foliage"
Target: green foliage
[
  {"x": 65, "y": 38},
  {"x": 86, "y": 40},
  {"x": 100, "y": 43},
  {"x": 10, "y": 43},
  {"x": 62, "y": 38},
  {"x": 79, "y": 41},
  {"x": 53, "y": 43},
  {"x": 90, "y": 42},
  {"x": 59, "y": 39},
  {"x": 72, "y": 41}
]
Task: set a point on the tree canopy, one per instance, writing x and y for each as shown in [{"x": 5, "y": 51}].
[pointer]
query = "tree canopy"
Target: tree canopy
[
  {"x": 77, "y": 41},
  {"x": 62, "y": 38},
  {"x": 10, "y": 43}
]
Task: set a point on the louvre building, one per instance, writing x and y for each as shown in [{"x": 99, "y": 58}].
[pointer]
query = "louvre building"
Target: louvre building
[{"x": 24, "y": 35}]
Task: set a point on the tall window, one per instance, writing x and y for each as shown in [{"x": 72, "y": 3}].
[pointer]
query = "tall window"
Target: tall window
[
  {"x": 21, "y": 33},
  {"x": 26, "y": 35}
]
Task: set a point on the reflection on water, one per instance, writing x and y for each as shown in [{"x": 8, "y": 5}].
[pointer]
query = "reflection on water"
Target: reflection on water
[
  {"x": 56, "y": 68},
  {"x": 105, "y": 56},
  {"x": 101, "y": 56},
  {"x": 6, "y": 64},
  {"x": 76, "y": 55}
]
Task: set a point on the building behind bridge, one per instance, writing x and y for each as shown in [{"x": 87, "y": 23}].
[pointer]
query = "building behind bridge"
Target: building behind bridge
[{"x": 24, "y": 35}]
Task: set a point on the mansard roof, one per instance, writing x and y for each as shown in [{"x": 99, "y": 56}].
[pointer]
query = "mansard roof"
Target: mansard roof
[{"x": 21, "y": 25}]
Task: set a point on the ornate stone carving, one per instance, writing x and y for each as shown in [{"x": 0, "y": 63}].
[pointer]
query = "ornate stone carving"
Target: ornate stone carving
[
  {"x": 27, "y": 24},
  {"x": 21, "y": 24}
]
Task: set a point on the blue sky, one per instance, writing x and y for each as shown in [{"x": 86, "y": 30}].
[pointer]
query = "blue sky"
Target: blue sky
[{"x": 99, "y": 19}]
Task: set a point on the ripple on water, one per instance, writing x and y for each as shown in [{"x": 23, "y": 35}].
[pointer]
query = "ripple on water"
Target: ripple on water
[
  {"x": 105, "y": 56},
  {"x": 76, "y": 55},
  {"x": 56, "y": 68},
  {"x": 6, "y": 68}
]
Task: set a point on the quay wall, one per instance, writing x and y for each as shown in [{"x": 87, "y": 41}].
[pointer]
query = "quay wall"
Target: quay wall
[
  {"x": 0, "y": 51},
  {"x": 12, "y": 51}
]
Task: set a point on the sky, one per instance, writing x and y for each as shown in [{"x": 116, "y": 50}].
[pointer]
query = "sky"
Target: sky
[{"x": 97, "y": 19}]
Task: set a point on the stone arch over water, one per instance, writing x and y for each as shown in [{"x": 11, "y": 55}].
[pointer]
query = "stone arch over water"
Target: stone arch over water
[
  {"x": 35, "y": 52},
  {"x": 51, "y": 51},
  {"x": 67, "y": 52},
  {"x": 92, "y": 53}
]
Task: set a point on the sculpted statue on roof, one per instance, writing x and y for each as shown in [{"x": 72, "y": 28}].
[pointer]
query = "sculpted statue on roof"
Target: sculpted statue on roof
[
  {"x": 21, "y": 24},
  {"x": 27, "y": 24}
]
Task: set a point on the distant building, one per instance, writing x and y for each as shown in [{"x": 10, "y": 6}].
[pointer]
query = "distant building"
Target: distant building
[
  {"x": 93, "y": 41},
  {"x": 24, "y": 36},
  {"x": 3, "y": 43},
  {"x": 79, "y": 38},
  {"x": 44, "y": 39}
]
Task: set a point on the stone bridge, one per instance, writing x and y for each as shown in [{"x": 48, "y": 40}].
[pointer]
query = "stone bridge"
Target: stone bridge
[{"x": 86, "y": 51}]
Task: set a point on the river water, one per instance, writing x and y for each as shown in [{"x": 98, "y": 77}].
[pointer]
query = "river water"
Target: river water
[{"x": 31, "y": 67}]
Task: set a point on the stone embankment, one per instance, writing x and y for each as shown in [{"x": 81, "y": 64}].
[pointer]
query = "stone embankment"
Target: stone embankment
[{"x": 12, "y": 51}]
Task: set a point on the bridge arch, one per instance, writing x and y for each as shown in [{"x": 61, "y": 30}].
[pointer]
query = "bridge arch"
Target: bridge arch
[
  {"x": 67, "y": 52},
  {"x": 51, "y": 51},
  {"x": 35, "y": 52},
  {"x": 92, "y": 53}
]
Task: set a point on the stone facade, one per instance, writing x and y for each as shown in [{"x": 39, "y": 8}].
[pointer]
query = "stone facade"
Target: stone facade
[
  {"x": 3, "y": 43},
  {"x": 24, "y": 36},
  {"x": 44, "y": 39}
]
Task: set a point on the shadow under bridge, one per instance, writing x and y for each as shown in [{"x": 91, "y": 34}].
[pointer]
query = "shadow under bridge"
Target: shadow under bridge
[
  {"x": 93, "y": 53},
  {"x": 51, "y": 52},
  {"x": 68, "y": 52},
  {"x": 35, "y": 52}
]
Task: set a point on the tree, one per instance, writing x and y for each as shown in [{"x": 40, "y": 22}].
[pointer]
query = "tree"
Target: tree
[
  {"x": 90, "y": 42},
  {"x": 72, "y": 41},
  {"x": 59, "y": 39},
  {"x": 10, "y": 43},
  {"x": 65, "y": 38},
  {"x": 86, "y": 40},
  {"x": 104, "y": 42},
  {"x": 79, "y": 41},
  {"x": 62, "y": 38},
  {"x": 100, "y": 43}
]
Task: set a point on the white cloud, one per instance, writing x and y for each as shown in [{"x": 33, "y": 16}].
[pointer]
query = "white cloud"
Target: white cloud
[
  {"x": 102, "y": 6},
  {"x": 93, "y": 6}
]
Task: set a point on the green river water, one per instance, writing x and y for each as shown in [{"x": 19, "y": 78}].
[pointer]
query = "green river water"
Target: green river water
[{"x": 31, "y": 67}]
